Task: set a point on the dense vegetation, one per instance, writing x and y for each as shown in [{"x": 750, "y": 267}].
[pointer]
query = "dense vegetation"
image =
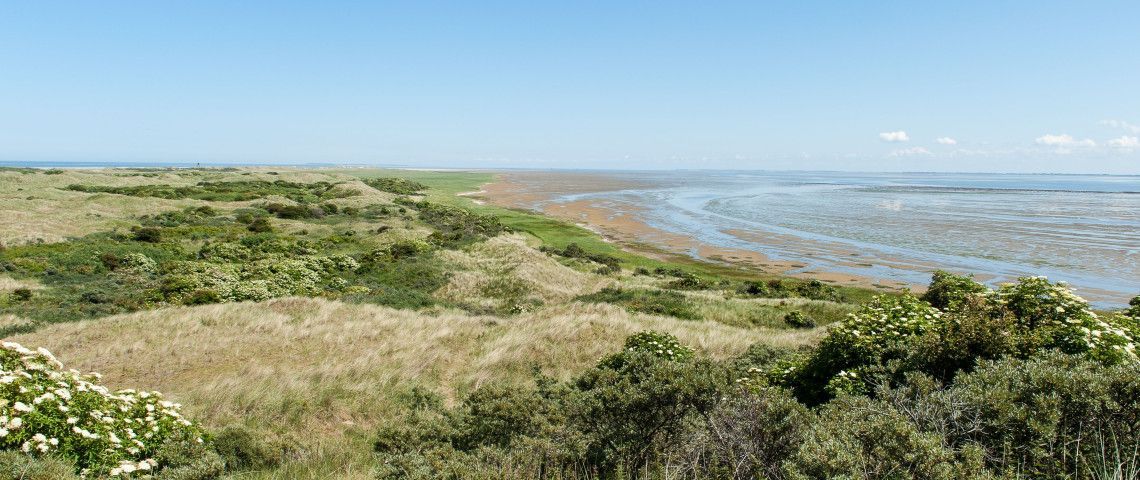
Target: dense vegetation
[
  {"x": 963, "y": 381},
  {"x": 200, "y": 255},
  {"x": 399, "y": 186},
  {"x": 1022, "y": 382},
  {"x": 228, "y": 191}
]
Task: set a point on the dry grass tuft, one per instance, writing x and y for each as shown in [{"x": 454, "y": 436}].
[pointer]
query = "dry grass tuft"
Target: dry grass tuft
[{"x": 8, "y": 284}]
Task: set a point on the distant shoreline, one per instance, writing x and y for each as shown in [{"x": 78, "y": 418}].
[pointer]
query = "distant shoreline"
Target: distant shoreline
[
  {"x": 615, "y": 206},
  {"x": 621, "y": 224},
  {"x": 94, "y": 164}
]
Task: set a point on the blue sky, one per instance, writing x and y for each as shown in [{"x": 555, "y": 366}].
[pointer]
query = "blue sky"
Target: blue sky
[{"x": 966, "y": 86}]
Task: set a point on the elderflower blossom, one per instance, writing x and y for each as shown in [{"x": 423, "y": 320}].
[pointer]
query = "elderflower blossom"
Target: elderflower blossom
[{"x": 49, "y": 410}]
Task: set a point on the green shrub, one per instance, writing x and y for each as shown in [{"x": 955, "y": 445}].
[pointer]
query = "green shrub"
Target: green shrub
[
  {"x": 399, "y": 250},
  {"x": 242, "y": 449},
  {"x": 749, "y": 434},
  {"x": 1045, "y": 416},
  {"x": 260, "y": 225},
  {"x": 399, "y": 186},
  {"x": 496, "y": 415},
  {"x": 147, "y": 234},
  {"x": 754, "y": 288},
  {"x": 610, "y": 264},
  {"x": 48, "y": 410},
  {"x": 687, "y": 281},
  {"x": 183, "y": 459},
  {"x": 797, "y": 319},
  {"x": 662, "y": 345},
  {"x": 22, "y": 294},
  {"x": 856, "y": 437},
  {"x": 784, "y": 288},
  {"x": 633, "y": 410},
  {"x": 891, "y": 336},
  {"x": 655, "y": 302},
  {"x": 407, "y": 282},
  {"x": 947, "y": 289},
  {"x": 817, "y": 290}
]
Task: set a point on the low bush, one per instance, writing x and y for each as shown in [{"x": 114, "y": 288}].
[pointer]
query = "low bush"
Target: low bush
[
  {"x": 243, "y": 449},
  {"x": 857, "y": 437},
  {"x": 749, "y": 434},
  {"x": 633, "y": 408},
  {"x": 796, "y": 319},
  {"x": 655, "y": 302},
  {"x": 260, "y": 225},
  {"x": 22, "y": 294},
  {"x": 147, "y": 234},
  {"x": 947, "y": 290},
  {"x": 610, "y": 263},
  {"x": 784, "y": 288},
  {"x": 399, "y": 186}
]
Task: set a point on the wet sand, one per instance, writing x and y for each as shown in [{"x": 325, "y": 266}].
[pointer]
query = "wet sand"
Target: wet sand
[{"x": 625, "y": 224}]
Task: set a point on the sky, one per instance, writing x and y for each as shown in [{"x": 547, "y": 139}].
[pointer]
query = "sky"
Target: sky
[{"x": 1002, "y": 86}]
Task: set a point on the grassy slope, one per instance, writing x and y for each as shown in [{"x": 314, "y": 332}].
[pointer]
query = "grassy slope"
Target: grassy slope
[
  {"x": 316, "y": 376},
  {"x": 446, "y": 187}
]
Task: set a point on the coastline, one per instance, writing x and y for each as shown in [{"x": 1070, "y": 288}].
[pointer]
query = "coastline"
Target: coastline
[{"x": 625, "y": 224}]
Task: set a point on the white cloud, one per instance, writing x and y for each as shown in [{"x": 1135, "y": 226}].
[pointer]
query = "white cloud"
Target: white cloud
[
  {"x": 1121, "y": 124},
  {"x": 946, "y": 141},
  {"x": 909, "y": 152},
  {"x": 899, "y": 136},
  {"x": 1064, "y": 140},
  {"x": 1125, "y": 142}
]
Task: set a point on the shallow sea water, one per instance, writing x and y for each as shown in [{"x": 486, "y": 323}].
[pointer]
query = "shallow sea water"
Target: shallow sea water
[{"x": 1083, "y": 229}]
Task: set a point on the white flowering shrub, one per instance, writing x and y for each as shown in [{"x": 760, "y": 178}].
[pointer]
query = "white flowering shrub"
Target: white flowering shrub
[
  {"x": 884, "y": 323},
  {"x": 657, "y": 344},
  {"x": 1055, "y": 317},
  {"x": 274, "y": 276},
  {"x": 892, "y": 335},
  {"x": 47, "y": 410}
]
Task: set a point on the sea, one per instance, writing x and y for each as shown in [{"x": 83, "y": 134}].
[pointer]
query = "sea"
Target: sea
[{"x": 1081, "y": 229}]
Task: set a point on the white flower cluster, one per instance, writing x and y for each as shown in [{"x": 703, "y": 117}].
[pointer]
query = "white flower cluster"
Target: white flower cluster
[
  {"x": 1065, "y": 317},
  {"x": 275, "y": 276},
  {"x": 886, "y": 321},
  {"x": 45, "y": 409},
  {"x": 661, "y": 345}
]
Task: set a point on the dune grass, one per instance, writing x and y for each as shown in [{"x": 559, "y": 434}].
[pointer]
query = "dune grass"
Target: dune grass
[{"x": 317, "y": 376}]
